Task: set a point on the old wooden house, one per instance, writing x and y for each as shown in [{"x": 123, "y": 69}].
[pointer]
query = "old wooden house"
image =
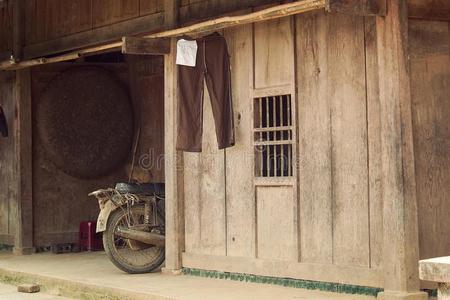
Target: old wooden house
[{"x": 341, "y": 168}]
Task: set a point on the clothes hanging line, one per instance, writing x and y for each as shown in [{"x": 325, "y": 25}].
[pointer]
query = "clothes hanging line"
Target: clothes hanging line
[{"x": 270, "y": 13}]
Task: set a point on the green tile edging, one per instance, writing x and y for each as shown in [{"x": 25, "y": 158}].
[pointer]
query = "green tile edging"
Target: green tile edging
[{"x": 288, "y": 282}]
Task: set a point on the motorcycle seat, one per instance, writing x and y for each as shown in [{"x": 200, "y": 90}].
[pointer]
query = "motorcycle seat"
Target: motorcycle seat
[{"x": 141, "y": 188}]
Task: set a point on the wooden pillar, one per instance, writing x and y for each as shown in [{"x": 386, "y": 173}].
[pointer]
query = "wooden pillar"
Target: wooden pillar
[
  {"x": 23, "y": 242},
  {"x": 400, "y": 223},
  {"x": 173, "y": 158}
]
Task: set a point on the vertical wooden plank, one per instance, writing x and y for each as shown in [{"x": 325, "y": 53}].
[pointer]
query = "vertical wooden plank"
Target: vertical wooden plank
[
  {"x": 400, "y": 228},
  {"x": 107, "y": 12},
  {"x": 50, "y": 19},
  {"x": 6, "y": 27},
  {"x": 18, "y": 28},
  {"x": 271, "y": 39},
  {"x": 30, "y": 27},
  {"x": 205, "y": 192},
  {"x": 54, "y": 18},
  {"x": 314, "y": 139},
  {"x": 374, "y": 145},
  {"x": 8, "y": 170},
  {"x": 277, "y": 226},
  {"x": 430, "y": 90},
  {"x": 346, "y": 89},
  {"x": 212, "y": 187},
  {"x": 23, "y": 243},
  {"x": 148, "y": 7},
  {"x": 192, "y": 203},
  {"x": 239, "y": 159}
]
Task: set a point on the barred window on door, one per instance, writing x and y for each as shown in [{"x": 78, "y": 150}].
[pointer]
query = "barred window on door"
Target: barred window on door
[{"x": 273, "y": 136}]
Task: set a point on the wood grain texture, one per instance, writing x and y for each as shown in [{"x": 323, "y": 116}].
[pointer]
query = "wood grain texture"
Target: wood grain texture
[
  {"x": 142, "y": 46},
  {"x": 287, "y": 269},
  {"x": 430, "y": 89},
  {"x": 8, "y": 171},
  {"x": 148, "y": 7},
  {"x": 205, "y": 192},
  {"x": 429, "y": 9},
  {"x": 358, "y": 7},
  {"x": 374, "y": 145},
  {"x": 271, "y": 39},
  {"x": 314, "y": 139},
  {"x": 277, "y": 223},
  {"x": 96, "y": 36},
  {"x": 105, "y": 12},
  {"x": 400, "y": 228},
  {"x": 24, "y": 232},
  {"x": 50, "y": 19},
  {"x": 192, "y": 10},
  {"x": 239, "y": 159},
  {"x": 349, "y": 140},
  {"x": 6, "y": 22},
  {"x": 146, "y": 82}
]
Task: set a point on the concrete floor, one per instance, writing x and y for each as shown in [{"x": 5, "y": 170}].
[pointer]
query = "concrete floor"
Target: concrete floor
[{"x": 92, "y": 276}]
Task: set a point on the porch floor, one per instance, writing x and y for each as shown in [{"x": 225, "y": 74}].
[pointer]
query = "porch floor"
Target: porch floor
[{"x": 91, "y": 276}]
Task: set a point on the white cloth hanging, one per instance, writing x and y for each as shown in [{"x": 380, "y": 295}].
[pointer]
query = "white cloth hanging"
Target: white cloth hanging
[{"x": 186, "y": 53}]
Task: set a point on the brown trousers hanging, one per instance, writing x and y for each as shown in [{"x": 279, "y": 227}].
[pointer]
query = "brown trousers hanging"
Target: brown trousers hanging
[{"x": 212, "y": 64}]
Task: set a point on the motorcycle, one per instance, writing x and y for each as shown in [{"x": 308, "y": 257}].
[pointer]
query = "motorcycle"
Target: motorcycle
[{"x": 132, "y": 221}]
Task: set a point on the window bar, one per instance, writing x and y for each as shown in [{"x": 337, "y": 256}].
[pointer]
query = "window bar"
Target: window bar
[
  {"x": 289, "y": 135},
  {"x": 280, "y": 106},
  {"x": 274, "y": 124},
  {"x": 267, "y": 148},
  {"x": 259, "y": 149}
]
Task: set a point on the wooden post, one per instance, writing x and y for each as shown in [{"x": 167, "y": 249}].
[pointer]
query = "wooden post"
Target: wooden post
[
  {"x": 23, "y": 242},
  {"x": 173, "y": 158},
  {"x": 400, "y": 223}
]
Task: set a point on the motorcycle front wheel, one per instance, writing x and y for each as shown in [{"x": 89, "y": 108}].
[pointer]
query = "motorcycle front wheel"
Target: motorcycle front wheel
[{"x": 129, "y": 255}]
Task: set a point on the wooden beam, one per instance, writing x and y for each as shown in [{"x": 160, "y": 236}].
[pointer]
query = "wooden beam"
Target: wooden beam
[
  {"x": 400, "y": 221},
  {"x": 23, "y": 242},
  {"x": 358, "y": 7},
  {"x": 275, "y": 12},
  {"x": 104, "y": 35},
  {"x": 208, "y": 9},
  {"x": 438, "y": 10},
  {"x": 278, "y": 11},
  {"x": 134, "y": 45}
]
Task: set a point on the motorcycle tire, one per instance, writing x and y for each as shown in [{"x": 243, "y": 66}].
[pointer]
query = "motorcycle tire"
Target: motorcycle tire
[{"x": 119, "y": 260}]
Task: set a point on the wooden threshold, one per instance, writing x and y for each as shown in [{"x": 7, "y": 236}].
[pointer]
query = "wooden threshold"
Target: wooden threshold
[
  {"x": 286, "y": 269},
  {"x": 274, "y": 12}
]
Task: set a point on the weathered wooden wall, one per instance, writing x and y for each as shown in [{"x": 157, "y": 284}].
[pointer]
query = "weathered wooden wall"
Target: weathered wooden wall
[
  {"x": 8, "y": 171},
  {"x": 430, "y": 86},
  {"x": 146, "y": 79},
  {"x": 51, "y": 19},
  {"x": 60, "y": 201},
  {"x": 325, "y": 222},
  {"x": 55, "y": 26},
  {"x": 6, "y": 28}
]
